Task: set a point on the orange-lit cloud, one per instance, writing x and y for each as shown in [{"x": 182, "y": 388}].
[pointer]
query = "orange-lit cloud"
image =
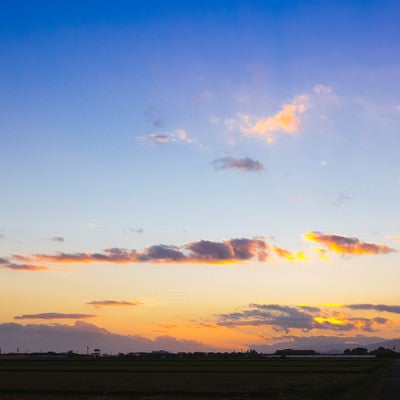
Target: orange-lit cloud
[
  {"x": 285, "y": 120},
  {"x": 53, "y": 315},
  {"x": 112, "y": 255},
  {"x": 322, "y": 253},
  {"x": 230, "y": 251},
  {"x": 346, "y": 323},
  {"x": 395, "y": 238},
  {"x": 347, "y": 245},
  {"x": 25, "y": 266},
  {"x": 112, "y": 303},
  {"x": 305, "y": 318},
  {"x": 203, "y": 251},
  {"x": 290, "y": 256},
  {"x": 284, "y": 317}
]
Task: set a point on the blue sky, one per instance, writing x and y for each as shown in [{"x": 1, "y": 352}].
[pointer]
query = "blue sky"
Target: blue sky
[{"x": 132, "y": 124}]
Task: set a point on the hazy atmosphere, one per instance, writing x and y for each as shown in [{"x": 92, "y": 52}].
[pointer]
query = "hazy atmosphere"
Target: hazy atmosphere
[{"x": 199, "y": 175}]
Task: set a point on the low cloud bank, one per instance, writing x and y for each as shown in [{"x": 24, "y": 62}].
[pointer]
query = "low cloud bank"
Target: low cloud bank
[{"x": 62, "y": 338}]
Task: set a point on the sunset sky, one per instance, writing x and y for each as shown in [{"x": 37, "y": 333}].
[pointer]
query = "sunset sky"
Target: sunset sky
[{"x": 199, "y": 174}]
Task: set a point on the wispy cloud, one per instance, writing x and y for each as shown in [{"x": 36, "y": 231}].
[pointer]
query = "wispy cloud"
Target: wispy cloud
[
  {"x": 179, "y": 135},
  {"x": 205, "y": 96},
  {"x": 243, "y": 164},
  {"x": 347, "y": 245},
  {"x": 340, "y": 199},
  {"x": 286, "y": 120},
  {"x": 374, "y": 307},
  {"x": 54, "y": 315},
  {"x": 6, "y": 263},
  {"x": 113, "y": 303},
  {"x": 290, "y": 256},
  {"x": 395, "y": 238},
  {"x": 322, "y": 89},
  {"x": 159, "y": 138},
  {"x": 136, "y": 230}
]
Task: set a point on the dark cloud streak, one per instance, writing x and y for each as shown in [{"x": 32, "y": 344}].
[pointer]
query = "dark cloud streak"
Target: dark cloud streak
[
  {"x": 54, "y": 315},
  {"x": 112, "y": 303},
  {"x": 375, "y": 307},
  {"x": 203, "y": 251},
  {"x": 243, "y": 164}
]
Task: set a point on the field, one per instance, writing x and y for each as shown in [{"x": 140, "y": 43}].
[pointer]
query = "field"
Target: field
[{"x": 155, "y": 379}]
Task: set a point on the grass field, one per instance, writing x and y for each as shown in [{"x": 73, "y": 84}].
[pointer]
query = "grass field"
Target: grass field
[{"x": 154, "y": 379}]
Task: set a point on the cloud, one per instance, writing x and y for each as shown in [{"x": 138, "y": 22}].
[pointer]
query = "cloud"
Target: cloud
[
  {"x": 62, "y": 338},
  {"x": 154, "y": 118},
  {"x": 375, "y": 307},
  {"x": 229, "y": 251},
  {"x": 112, "y": 255},
  {"x": 163, "y": 253},
  {"x": 244, "y": 164},
  {"x": 58, "y": 238},
  {"x": 6, "y": 263},
  {"x": 205, "y": 96},
  {"x": 284, "y": 317},
  {"x": 344, "y": 323},
  {"x": 305, "y": 318},
  {"x": 347, "y": 245},
  {"x": 162, "y": 138},
  {"x": 158, "y": 138},
  {"x": 395, "y": 238},
  {"x": 286, "y": 120},
  {"x": 322, "y": 89},
  {"x": 290, "y": 256},
  {"x": 136, "y": 230},
  {"x": 112, "y": 303},
  {"x": 340, "y": 199},
  {"x": 233, "y": 250},
  {"x": 54, "y": 315},
  {"x": 203, "y": 251}
]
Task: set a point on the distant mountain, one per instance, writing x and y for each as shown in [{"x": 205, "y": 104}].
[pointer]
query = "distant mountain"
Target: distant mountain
[
  {"x": 393, "y": 344},
  {"x": 328, "y": 344}
]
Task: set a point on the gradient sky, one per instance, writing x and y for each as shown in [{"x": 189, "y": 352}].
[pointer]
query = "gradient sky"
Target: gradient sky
[{"x": 223, "y": 172}]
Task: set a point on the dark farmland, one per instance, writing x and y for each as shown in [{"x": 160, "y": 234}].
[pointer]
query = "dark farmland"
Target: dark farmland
[{"x": 154, "y": 379}]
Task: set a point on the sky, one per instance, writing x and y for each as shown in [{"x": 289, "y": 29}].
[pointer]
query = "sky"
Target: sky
[{"x": 198, "y": 175}]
